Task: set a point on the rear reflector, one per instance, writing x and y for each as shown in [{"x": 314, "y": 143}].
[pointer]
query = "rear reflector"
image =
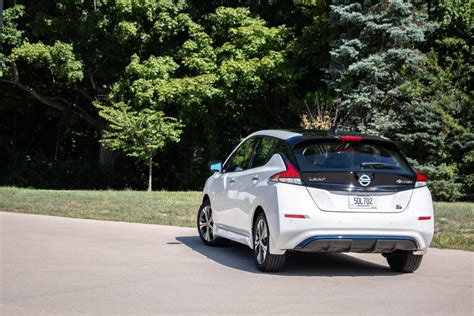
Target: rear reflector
[
  {"x": 421, "y": 180},
  {"x": 294, "y": 216},
  {"x": 424, "y": 218},
  {"x": 291, "y": 175},
  {"x": 349, "y": 138}
]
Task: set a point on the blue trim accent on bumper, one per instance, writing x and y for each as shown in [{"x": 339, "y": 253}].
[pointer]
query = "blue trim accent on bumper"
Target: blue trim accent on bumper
[{"x": 305, "y": 242}]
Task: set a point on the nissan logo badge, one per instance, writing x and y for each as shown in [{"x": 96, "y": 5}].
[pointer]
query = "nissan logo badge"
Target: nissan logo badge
[{"x": 364, "y": 180}]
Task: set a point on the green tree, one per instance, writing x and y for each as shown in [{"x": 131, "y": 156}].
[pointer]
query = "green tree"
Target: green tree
[
  {"x": 222, "y": 72},
  {"x": 451, "y": 45},
  {"x": 229, "y": 75},
  {"x": 67, "y": 55},
  {"x": 437, "y": 132},
  {"x": 376, "y": 52},
  {"x": 139, "y": 134},
  {"x": 225, "y": 68}
]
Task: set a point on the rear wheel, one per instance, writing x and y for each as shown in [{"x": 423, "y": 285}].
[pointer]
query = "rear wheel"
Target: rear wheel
[
  {"x": 403, "y": 261},
  {"x": 205, "y": 225},
  {"x": 264, "y": 260}
]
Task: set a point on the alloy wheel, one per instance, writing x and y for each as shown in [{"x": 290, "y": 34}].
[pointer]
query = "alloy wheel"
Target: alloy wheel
[
  {"x": 206, "y": 224},
  {"x": 261, "y": 241}
]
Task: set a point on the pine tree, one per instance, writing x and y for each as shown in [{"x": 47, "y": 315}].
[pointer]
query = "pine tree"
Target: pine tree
[{"x": 375, "y": 54}]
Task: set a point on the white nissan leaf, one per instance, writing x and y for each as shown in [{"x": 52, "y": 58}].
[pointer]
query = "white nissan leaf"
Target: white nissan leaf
[{"x": 315, "y": 191}]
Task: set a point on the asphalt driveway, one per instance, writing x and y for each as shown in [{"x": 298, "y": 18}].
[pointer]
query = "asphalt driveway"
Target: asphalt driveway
[{"x": 54, "y": 265}]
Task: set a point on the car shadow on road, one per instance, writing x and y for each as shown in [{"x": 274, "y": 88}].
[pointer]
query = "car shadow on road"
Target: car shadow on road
[{"x": 239, "y": 256}]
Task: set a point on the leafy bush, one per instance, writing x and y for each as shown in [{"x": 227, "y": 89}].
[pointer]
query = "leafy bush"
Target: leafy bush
[{"x": 443, "y": 181}]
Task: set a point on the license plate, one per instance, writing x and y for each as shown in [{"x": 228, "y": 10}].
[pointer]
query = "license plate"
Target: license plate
[{"x": 362, "y": 201}]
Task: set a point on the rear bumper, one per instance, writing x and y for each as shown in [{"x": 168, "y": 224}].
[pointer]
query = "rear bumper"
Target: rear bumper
[
  {"x": 356, "y": 243},
  {"x": 319, "y": 227}
]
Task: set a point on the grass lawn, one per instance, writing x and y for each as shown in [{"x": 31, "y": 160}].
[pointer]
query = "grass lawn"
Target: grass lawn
[
  {"x": 160, "y": 207},
  {"x": 454, "y": 225},
  {"x": 454, "y": 221}
]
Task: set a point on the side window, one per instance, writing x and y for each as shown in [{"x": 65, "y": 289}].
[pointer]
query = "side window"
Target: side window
[
  {"x": 265, "y": 149},
  {"x": 282, "y": 148},
  {"x": 241, "y": 157}
]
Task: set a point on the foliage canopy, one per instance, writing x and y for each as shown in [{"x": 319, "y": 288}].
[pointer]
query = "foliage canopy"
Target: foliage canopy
[{"x": 400, "y": 68}]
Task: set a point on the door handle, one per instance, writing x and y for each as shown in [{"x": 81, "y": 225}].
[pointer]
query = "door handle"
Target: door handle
[
  {"x": 255, "y": 178},
  {"x": 232, "y": 180}
]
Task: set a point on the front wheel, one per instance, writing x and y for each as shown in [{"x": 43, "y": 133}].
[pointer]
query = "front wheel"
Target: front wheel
[
  {"x": 264, "y": 260},
  {"x": 403, "y": 261},
  {"x": 205, "y": 225}
]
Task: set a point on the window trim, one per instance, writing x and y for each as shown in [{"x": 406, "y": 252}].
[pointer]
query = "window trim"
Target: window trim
[{"x": 258, "y": 138}]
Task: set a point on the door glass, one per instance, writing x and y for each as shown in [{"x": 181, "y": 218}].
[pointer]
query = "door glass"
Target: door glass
[
  {"x": 241, "y": 158},
  {"x": 265, "y": 150},
  {"x": 282, "y": 148}
]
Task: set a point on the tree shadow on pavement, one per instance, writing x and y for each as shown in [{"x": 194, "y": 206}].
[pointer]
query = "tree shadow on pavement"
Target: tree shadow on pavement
[{"x": 239, "y": 256}]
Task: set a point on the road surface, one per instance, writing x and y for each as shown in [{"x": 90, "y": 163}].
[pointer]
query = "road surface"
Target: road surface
[{"x": 54, "y": 265}]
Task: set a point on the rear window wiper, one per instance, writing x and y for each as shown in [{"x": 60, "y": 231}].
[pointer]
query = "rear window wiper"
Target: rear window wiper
[{"x": 378, "y": 165}]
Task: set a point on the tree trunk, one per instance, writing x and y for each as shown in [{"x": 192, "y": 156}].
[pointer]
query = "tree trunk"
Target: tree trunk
[
  {"x": 150, "y": 166},
  {"x": 56, "y": 103},
  {"x": 107, "y": 159},
  {"x": 58, "y": 137}
]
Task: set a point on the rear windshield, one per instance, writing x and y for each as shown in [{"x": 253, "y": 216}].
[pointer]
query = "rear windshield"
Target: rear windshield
[{"x": 345, "y": 156}]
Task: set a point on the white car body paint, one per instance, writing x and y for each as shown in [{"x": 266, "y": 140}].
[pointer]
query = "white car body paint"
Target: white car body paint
[{"x": 235, "y": 196}]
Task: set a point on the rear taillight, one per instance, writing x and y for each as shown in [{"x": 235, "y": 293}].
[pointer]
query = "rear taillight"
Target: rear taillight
[
  {"x": 420, "y": 180},
  {"x": 290, "y": 175}
]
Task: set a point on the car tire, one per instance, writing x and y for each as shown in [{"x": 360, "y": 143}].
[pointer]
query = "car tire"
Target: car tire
[
  {"x": 264, "y": 260},
  {"x": 403, "y": 261},
  {"x": 205, "y": 226}
]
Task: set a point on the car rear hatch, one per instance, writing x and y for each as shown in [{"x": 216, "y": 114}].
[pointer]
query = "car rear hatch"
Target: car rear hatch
[{"x": 354, "y": 174}]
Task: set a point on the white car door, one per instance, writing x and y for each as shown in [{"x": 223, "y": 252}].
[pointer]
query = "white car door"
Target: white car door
[
  {"x": 251, "y": 183},
  {"x": 231, "y": 187}
]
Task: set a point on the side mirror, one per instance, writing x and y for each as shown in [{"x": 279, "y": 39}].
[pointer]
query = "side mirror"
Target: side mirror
[{"x": 215, "y": 166}]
